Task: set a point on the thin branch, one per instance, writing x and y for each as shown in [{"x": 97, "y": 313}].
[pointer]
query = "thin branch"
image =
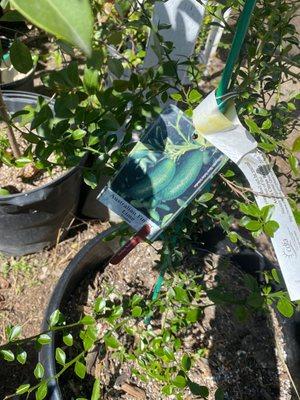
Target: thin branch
[
  {"x": 10, "y": 133},
  {"x": 240, "y": 190}
]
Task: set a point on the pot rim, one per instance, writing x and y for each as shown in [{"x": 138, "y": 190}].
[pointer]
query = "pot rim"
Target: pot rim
[
  {"x": 63, "y": 285},
  {"x": 20, "y": 81}
]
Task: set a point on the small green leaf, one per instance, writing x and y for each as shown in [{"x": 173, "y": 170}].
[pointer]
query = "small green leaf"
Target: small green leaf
[
  {"x": 39, "y": 371},
  {"x": 60, "y": 356},
  {"x": 54, "y": 318},
  {"x": 181, "y": 294},
  {"x": 7, "y": 355},
  {"x": 198, "y": 390},
  {"x": 169, "y": 354},
  {"x": 267, "y": 124},
  {"x": 180, "y": 381},
  {"x": 285, "y": 307},
  {"x": 250, "y": 209},
  {"x": 167, "y": 390},
  {"x": 22, "y": 161},
  {"x": 137, "y": 311},
  {"x": 44, "y": 339},
  {"x": 23, "y": 389},
  {"x": 22, "y": 357},
  {"x": 111, "y": 341},
  {"x": 14, "y": 333},
  {"x": 296, "y": 145},
  {"x": 20, "y": 57},
  {"x": 219, "y": 394},
  {"x": 253, "y": 225},
  {"x": 194, "y": 96},
  {"x": 186, "y": 362},
  {"x": 96, "y": 394},
  {"x": 266, "y": 212},
  {"x": 136, "y": 299},
  {"x": 270, "y": 228},
  {"x": 68, "y": 339},
  {"x": 41, "y": 392},
  {"x": 293, "y": 161},
  {"x": 117, "y": 312},
  {"x": 91, "y": 80},
  {"x": 41, "y": 116},
  {"x": 4, "y": 192},
  {"x": 78, "y": 134},
  {"x": 80, "y": 369},
  {"x": 87, "y": 320},
  {"x": 120, "y": 85},
  {"x": 176, "y": 96},
  {"x": 90, "y": 178},
  {"x": 100, "y": 305},
  {"x": 275, "y": 275},
  {"x": 96, "y": 59},
  {"x": 193, "y": 314},
  {"x": 233, "y": 237},
  {"x": 88, "y": 342},
  {"x": 205, "y": 197},
  {"x": 253, "y": 127}
]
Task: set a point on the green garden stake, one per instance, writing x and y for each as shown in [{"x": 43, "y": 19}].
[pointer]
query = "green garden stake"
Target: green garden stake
[{"x": 237, "y": 43}]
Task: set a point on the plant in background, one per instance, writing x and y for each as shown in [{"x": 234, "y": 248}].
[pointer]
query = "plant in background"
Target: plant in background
[{"x": 44, "y": 141}]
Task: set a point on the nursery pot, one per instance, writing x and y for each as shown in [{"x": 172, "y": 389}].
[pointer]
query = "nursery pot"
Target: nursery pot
[
  {"x": 33, "y": 220},
  {"x": 93, "y": 256},
  {"x": 11, "y": 79}
]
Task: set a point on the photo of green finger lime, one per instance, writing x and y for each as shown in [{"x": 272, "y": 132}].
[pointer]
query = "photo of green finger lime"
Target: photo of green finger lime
[{"x": 167, "y": 168}]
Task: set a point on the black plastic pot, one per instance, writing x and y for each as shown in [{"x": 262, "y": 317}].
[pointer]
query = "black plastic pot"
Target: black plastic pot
[
  {"x": 33, "y": 220},
  {"x": 92, "y": 257},
  {"x": 25, "y": 83}
]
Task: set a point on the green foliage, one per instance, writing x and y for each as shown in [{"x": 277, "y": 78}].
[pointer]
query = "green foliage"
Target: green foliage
[{"x": 258, "y": 220}]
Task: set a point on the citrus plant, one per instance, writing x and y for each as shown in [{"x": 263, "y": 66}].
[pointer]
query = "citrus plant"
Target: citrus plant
[{"x": 100, "y": 102}]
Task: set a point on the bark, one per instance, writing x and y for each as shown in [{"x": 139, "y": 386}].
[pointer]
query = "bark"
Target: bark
[{"x": 10, "y": 133}]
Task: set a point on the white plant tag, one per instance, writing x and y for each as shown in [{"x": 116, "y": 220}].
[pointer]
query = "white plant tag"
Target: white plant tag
[
  {"x": 239, "y": 145},
  {"x": 185, "y": 18}
]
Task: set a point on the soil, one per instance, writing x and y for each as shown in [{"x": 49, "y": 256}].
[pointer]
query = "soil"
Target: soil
[
  {"x": 18, "y": 180},
  {"x": 14, "y": 180},
  {"x": 26, "y": 284},
  {"x": 245, "y": 359}
]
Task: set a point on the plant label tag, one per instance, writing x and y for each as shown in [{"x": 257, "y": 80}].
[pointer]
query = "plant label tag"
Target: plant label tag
[
  {"x": 162, "y": 174},
  {"x": 239, "y": 145},
  {"x": 184, "y": 19}
]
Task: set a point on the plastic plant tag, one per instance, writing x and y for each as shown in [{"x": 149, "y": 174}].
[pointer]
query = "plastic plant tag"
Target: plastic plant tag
[
  {"x": 239, "y": 145},
  {"x": 162, "y": 174},
  {"x": 179, "y": 23}
]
